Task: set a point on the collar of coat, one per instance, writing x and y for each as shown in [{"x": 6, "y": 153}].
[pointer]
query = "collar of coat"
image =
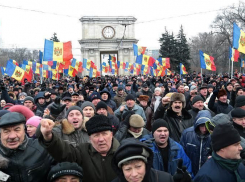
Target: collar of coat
[
  {"x": 185, "y": 114},
  {"x": 115, "y": 144}
]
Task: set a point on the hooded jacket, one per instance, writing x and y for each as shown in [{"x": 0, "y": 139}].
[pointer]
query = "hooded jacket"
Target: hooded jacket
[
  {"x": 40, "y": 107},
  {"x": 151, "y": 175},
  {"x": 175, "y": 152},
  {"x": 197, "y": 146},
  {"x": 109, "y": 102}
]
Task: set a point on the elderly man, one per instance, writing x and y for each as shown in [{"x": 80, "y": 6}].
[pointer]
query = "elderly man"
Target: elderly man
[
  {"x": 95, "y": 158},
  {"x": 176, "y": 116},
  {"x": 28, "y": 161},
  {"x": 238, "y": 118},
  {"x": 130, "y": 105},
  {"x": 225, "y": 164}
]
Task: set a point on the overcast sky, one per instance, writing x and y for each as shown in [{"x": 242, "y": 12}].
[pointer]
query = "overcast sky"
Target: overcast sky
[{"x": 23, "y": 28}]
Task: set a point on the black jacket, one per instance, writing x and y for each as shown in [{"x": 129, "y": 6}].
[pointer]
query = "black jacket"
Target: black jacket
[
  {"x": 240, "y": 129},
  {"x": 218, "y": 107},
  {"x": 176, "y": 123},
  {"x": 29, "y": 162}
]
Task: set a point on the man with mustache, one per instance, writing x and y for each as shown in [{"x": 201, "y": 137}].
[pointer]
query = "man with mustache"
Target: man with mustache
[
  {"x": 28, "y": 161},
  {"x": 173, "y": 111}
]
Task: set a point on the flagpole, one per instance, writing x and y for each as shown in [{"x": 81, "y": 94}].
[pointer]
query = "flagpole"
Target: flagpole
[
  {"x": 229, "y": 66},
  {"x": 201, "y": 75},
  {"x": 232, "y": 69}
]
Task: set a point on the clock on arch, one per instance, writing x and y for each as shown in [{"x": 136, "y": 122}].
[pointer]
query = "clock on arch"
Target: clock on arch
[{"x": 108, "y": 32}]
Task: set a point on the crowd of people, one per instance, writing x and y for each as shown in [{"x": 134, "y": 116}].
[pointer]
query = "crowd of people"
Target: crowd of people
[{"x": 123, "y": 128}]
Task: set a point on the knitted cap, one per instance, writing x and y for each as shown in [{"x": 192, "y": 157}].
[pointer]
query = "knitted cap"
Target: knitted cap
[
  {"x": 100, "y": 105},
  {"x": 63, "y": 169},
  {"x": 86, "y": 104},
  {"x": 159, "y": 123},
  {"x": 136, "y": 121},
  {"x": 73, "y": 108},
  {"x": 224, "y": 135},
  {"x": 29, "y": 98},
  {"x": 129, "y": 97},
  {"x": 98, "y": 123},
  {"x": 34, "y": 121},
  {"x": 196, "y": 99},
  {"x": 240, "y": 101}
]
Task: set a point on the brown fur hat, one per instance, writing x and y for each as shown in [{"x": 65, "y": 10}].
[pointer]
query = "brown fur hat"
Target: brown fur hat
[
  {"x": 177, "y": 97},
  {"x": 136, "y": 121},
  {"x": 221, "y": 93},
  {"x": 144, "y": 98}
]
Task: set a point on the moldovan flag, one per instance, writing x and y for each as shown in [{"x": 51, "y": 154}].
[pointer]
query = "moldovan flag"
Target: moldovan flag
[
  {"x": 238, "y": 39},
  {"x": 138, "y": 50},
  {"x": 145, "y": 60},
  {"x": 167, "y": 72},
  {"x": 14, "y": 71},
  {"x": 206, "y": 61},
  {"x": 3, "y": 70},
  {"x": 87, "y": 64},
  {"x": 182, "y": 69},
  {"x": 165, "y": 62},
  {"x": 242, "y": 63},
  {"x": 57, "y": 51},
  {"x": 14, "y": 62},
  {"x": 234, "y": 54}
]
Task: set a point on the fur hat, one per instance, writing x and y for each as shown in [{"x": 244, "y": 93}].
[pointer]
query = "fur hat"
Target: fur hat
[
  {"x": 221, "y": 93},
  {"x": 158, "y": 89},
  {"x": 177, "y": 97},
  {"x": 136, "y": 121},
  {"x": 144, "y": 98}
]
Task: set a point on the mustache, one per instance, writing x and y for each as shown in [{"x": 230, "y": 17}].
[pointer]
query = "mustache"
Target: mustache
[
  {"x": 13, "y": 140},
  {"x": 177, "y": 107}
]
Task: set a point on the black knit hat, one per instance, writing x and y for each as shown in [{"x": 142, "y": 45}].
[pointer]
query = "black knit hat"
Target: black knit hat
[
  {"x": 196, "y": 99},
  {"x": 100, "y": 105},
  {"x": 129, "y": 97},
  {"x": 224, "y": 135},
  {"x": 63, "y": 169},
  {"x": 73, "y": 108},
  {"x": 159, "y": 123},
  {"x": 238, "y": 113},
  {"x": 240, "y": 101},
  {"x": 97, "y": 124}
]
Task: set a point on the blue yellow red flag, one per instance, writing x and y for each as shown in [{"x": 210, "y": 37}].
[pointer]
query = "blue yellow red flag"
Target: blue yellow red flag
[
  {"x": 206, "y": 61},
  {"x": 238, "y": 39},
  {"x": 14, "y": 71},
  {"x": 165, "y": 62},
  {"x": 138, "y": 50},
  {"x": 57, "y": 51},
  {"x": 234, "y": 54},
  {"x": 182, "y": 69}
]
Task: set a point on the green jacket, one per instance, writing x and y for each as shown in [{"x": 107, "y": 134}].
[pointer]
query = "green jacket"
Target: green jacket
[{"x": 95, "y": 167}]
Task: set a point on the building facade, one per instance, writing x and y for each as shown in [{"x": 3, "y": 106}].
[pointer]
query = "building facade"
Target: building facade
[{"x": 103, "y": 35}]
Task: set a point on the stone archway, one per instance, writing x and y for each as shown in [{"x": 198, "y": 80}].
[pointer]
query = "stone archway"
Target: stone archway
[{"x": 103, "y": 35}]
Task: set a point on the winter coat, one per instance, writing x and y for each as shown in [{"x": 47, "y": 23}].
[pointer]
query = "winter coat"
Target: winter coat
[
  {"x": 194, "y": 112},
  {"x": 218, "y": 107},
  {"x": 211, "y": 171},
  {"x": 67, "y": 133},
  {"x": 95, "y": 166},
  {"x": 123, "y": 133},
  {"x": 148, "y": 114},
  {"x": 118, "y": 99},
  {"x": 112, "y": 93},
  {"x": 29, "y": 162},
  {"x": 176, "y": 123},
  {"x": 196, "y": 146},
  {"x": 130, "y": 92},
  {"x": 175, "y": 152},
  {"x": 137, "y": 109},
  {"x": 40, "y": 108},
  {"x": 109, "y": 102},
  {"x": 151, "y": 174}
]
